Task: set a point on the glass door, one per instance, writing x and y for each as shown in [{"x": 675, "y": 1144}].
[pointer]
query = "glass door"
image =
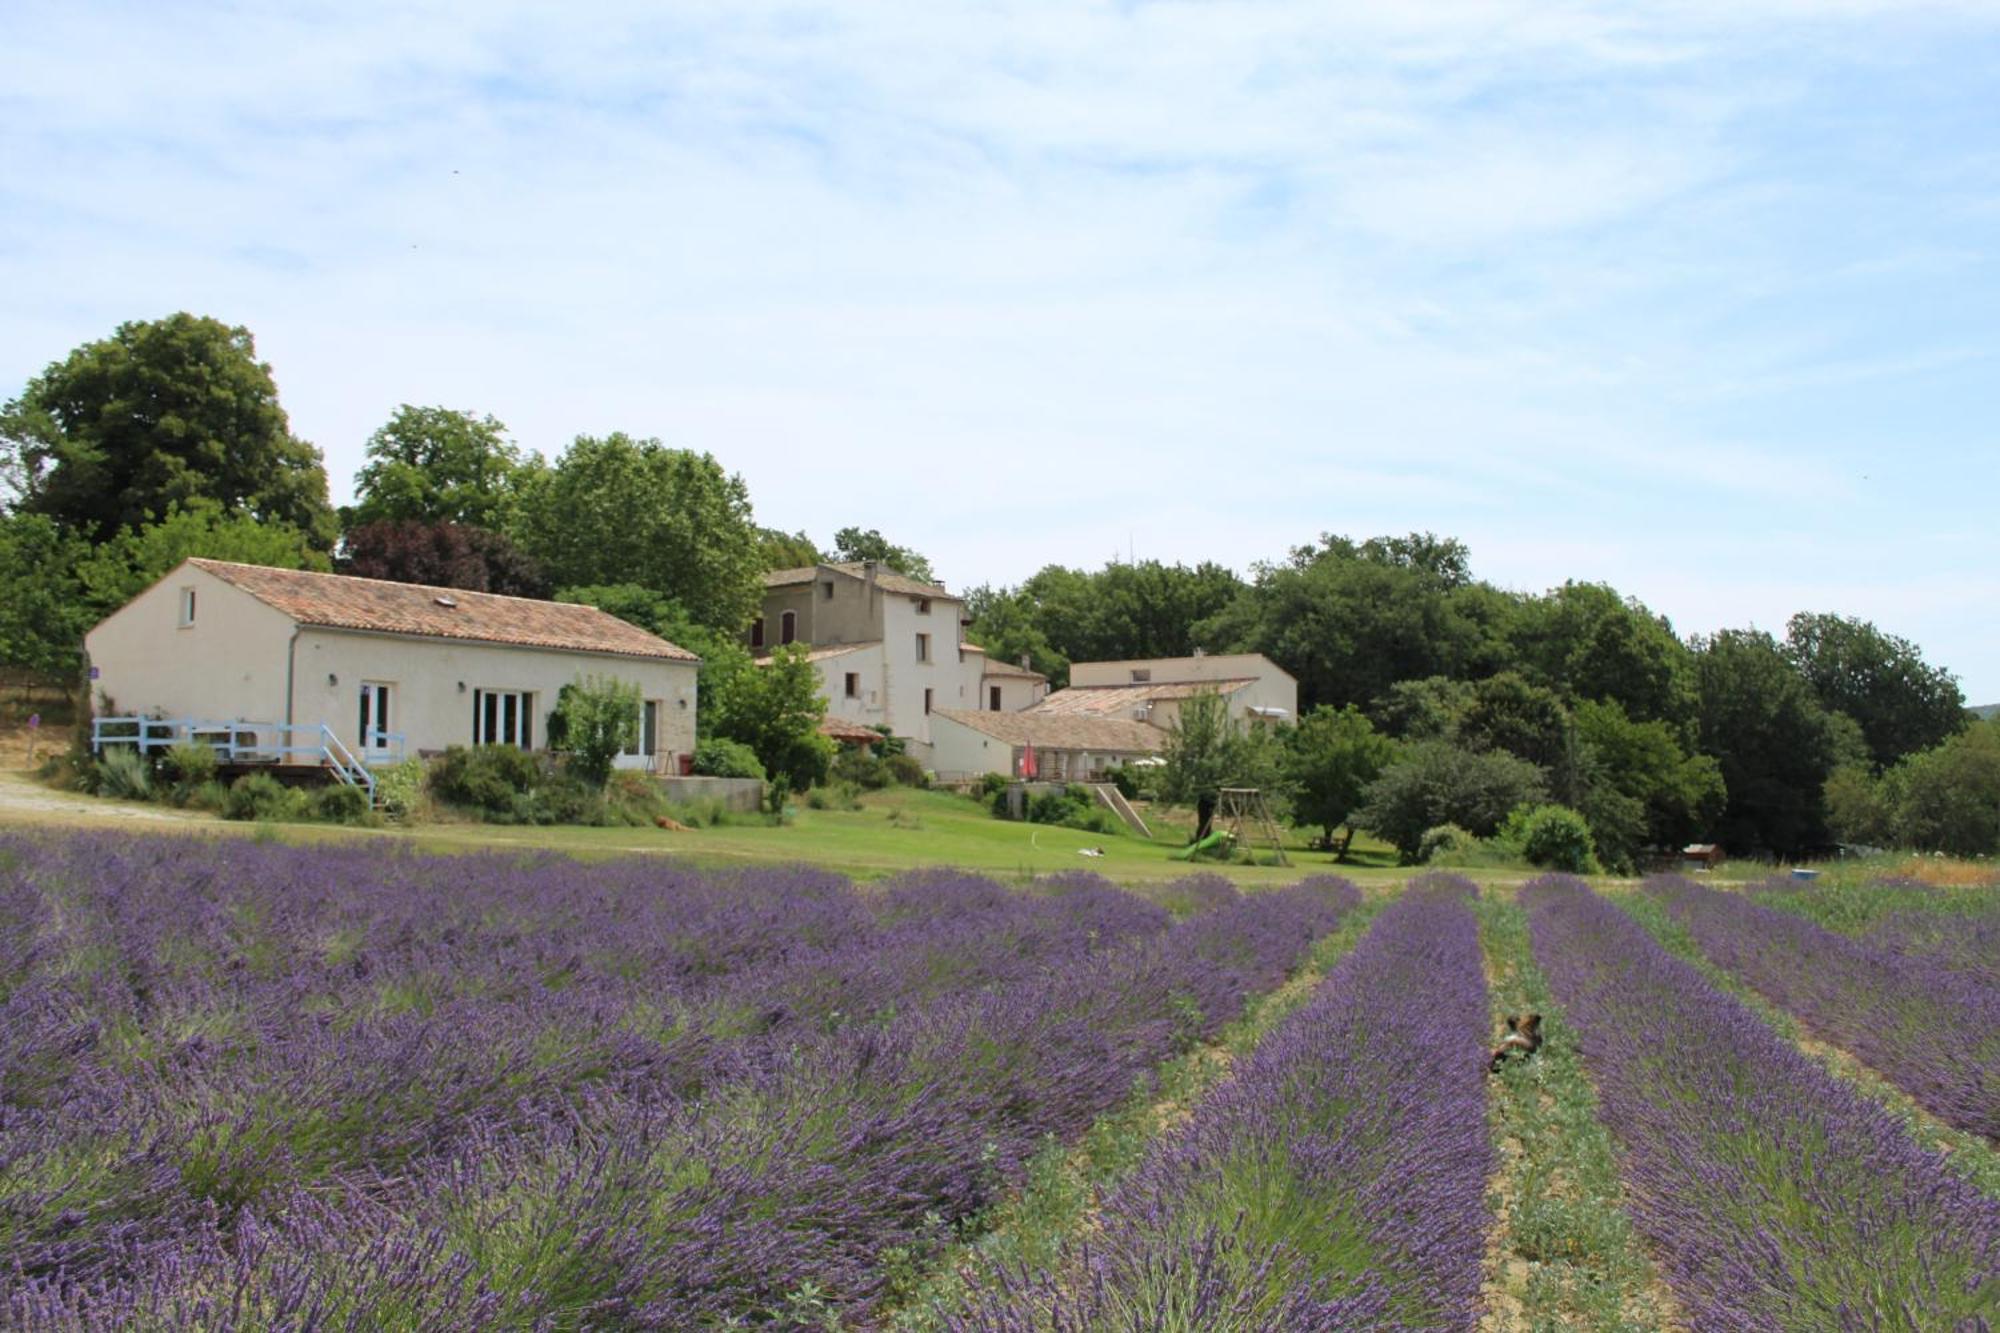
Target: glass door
[{"x": 373, "y": 731}]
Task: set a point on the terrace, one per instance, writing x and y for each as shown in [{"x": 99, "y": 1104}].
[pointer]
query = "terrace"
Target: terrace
[{"x": 296, "y": 754}]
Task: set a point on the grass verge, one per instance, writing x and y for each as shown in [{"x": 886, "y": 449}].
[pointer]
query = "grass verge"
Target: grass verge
[{"x": 1566, "y": 1255}]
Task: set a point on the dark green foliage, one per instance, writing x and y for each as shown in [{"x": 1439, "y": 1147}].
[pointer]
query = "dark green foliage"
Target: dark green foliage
[
  {"x": 1207, "y": 750},
  {"x": 43, "y": 615},
  {"x": 623, "y": 510},
  {"x": 338, "y": 803},
  {"x": 786, "y": 550},
  {"x": 1073, "y": 807},
  {"x": 433, "y": 465},
  {"x": 1772, "y": 740},
  {"x": 123, "y": 773},
  {"x": 1147, "y": 609},
  {"x": 854, "y": 544},
  {"x": 1330, "y": 759},
  {"x": 905, "y": 771},
  {"x": 776, "y": 711},
  {"x": 718, "y": 757},
  {"x": 857, "y": 766},
  {"x": 187, "y": 769},
  {"x": 1436, "y": 782},
  {"x": 163, "y": 412},
  {"x": 1902, "y": 703},
  {"x": 486, "y": 778},
  {"x": 125, "y": 566},
  {"x": 1643, "y": 787},
  {"x": 1588, "y": 642},
  {"x": 1554, "y": 837},
  {"x": 1442, "y": 842},
  {"x": 261, "y": 796}
]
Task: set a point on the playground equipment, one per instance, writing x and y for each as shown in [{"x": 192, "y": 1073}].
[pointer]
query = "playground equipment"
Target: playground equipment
[
  {"x": 1218, "y": 838},
  {"x": 1242, "y": 819}
]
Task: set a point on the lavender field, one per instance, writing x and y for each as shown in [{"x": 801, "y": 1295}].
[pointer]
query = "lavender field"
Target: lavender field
[{"x": 245, "y": 1085}]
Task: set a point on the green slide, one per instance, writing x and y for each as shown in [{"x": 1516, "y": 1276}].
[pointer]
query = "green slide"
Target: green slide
[{"x": 1192, "y": 850}]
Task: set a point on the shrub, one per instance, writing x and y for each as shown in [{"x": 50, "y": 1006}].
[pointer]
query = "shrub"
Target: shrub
[
  {"x": 210, "y": 796},
  {"x": 906, "y": 771},
  {"x": 399, "y": 787},
  {"x": 1444, "y": 840},
  {"x": 837, "y": 796},
  {"x": 260, "y": 796},
  {"x": 633, "y": 799},
  {"x": 563, "y": 798},
  {"x": 856, "y": 765},
  {"x": 121, "y": 772},
  {"x": 720, "y": 757},
  {"x": 488, "y": 778},
  {"x": 990, "y": 786},
  {"x": 597, "y": 718},
  {"x": 1119, "y": 776},
  {"x": 1073, "y": 807},
  {"x": 189, "y": 767},
  {"x": 1553, "y": 836},
  {"x": 338, "y": 803}
]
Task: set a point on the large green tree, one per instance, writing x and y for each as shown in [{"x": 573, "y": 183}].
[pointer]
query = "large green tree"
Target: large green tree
[
  {"x": 617, "y": 509},
  {"x": 163, "y": 412},
  {"x": 118, "y": 570},
  {"x": 1125, "y": 610},
  {"x": 1586, "y": 640},
  {"x": 1641, "y": 786},
  {"x": 437, "y": 465},
  {"x": 776, "y": 710},
  {"x": 1437, "y": 782},
  {"x": 1350, "y": 620},
  {"x": 1331, "y": 758},
  {"x": 43, "y": 614},
  {"x": 1775, "y": 744},
  {"x": 1902, "y": 703}
]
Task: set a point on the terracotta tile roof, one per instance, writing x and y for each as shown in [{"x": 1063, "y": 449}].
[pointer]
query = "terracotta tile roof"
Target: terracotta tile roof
[
  {"x": 885, "y": 578},
  {"x": 1105, "y": 735},
  {"x": 831, "y": 650},
  {"x": 1013, "y": 672},
  {"x": 339, "y": 601},
  {"x": 842, "y": 729},
  {"x": 1104, "y": 699}
]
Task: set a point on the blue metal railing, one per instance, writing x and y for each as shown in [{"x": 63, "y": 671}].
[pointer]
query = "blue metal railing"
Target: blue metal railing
[{"x": 244, "y": 742}]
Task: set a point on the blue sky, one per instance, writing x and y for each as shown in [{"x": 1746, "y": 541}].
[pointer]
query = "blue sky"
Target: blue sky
[{"x": 1698, "y": 299}]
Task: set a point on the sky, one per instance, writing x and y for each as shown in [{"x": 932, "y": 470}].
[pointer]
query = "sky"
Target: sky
[{"x": 1700, "y": 300}]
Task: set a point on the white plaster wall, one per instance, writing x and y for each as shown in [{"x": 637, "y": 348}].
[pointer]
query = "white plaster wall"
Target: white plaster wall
[
  {"x": 431, "y": 710},
  {"x": 957, "y": 749},
  {"x": 954, "y": 683},
  {"x": 870, "y": 709},
  {"x": 1016, "y": 692},
  {"x": 228, "y": 665}
]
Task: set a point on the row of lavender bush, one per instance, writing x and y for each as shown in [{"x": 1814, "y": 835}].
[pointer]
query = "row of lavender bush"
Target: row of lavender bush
[
  {"x": 1934, "y": 1032},
  {"x": 1946, "y": 929},
  {"x": 1776, "y": 1196},
  {"x": 187, "y": 1025},
  {"x": 390, "y": 1091},
  {"x": 1335, "y": 1181}
]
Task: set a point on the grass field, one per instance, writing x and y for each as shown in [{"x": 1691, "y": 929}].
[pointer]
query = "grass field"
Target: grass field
[{"x": 896, "y": 830}]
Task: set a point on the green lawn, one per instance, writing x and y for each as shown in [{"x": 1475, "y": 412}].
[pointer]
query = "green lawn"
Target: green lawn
[{"x": 900, "y": 829}]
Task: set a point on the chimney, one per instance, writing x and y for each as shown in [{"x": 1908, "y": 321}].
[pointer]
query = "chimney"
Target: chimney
[{"x": 1025, "y": 663}]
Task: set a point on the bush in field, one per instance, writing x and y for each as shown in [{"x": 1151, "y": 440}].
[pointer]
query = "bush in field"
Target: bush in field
[
  {"x": 399, "y": 787},
  {"x": 854, "y": 764},
  {"x": 1554, "y": 837},
  {"x": 1072, "y": 807},
  {"x": 1443, "y": 841},
  {"x": 121, "y": 772},
  {"x": 905, "y": 771},
  {"x": 261, "y": 796},
  {"x": 990, "y": 787},
  {"x": 1437, "y": 782},
  {"x": 338, "y": 803},
  {"x": 720, "y": 757},
  {"x": 597, "y": 719},
  {"x": 487, "y": 778},
  {"x": 189, "y": 767}
]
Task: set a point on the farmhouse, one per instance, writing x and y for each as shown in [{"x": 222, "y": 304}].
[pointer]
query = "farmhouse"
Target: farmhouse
[
  {"x": 1253, "y": 687},
  {"x": 890, "y": 650},
  {"x": 1052, "y": 747},
  {"x": 293, "y": 667}
]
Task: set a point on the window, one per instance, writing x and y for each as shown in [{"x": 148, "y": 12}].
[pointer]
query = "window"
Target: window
[
  {"x": 373, "y": 723},
  {"x": 187, "y": 607},
  {"x": 649, "y": 728},
  {"x": 923, "y": 647},
  {"x": 827, "y": 589},
  {"x": 993, "y": 698},
  {"x": 1140, "y": 675},
  {"x": 927, "y": 703},
  {"x": 923, "y": 606},
  {"x": 503, "y": 717},
  {"x": 757, "y": 632},
  {"x": 788, "y": 627},
  {"x": 854, "y": 684}
]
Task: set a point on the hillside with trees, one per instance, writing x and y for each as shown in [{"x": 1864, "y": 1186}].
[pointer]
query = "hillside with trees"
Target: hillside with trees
[{"x": 1429, "y": 697}]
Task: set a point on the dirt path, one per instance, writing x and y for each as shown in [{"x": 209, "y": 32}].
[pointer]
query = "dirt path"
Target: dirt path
[{"x": 25, "y": 801}]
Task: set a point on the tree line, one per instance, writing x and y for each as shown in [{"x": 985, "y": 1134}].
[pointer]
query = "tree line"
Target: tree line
[{"x": 167, "y": 439}]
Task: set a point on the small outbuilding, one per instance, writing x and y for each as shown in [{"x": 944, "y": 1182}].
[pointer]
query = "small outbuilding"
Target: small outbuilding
[{"x": 302, "y": 668}]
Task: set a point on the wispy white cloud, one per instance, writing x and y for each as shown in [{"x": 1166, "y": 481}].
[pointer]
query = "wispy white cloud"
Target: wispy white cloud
[{"x": 1609, "y": 292}]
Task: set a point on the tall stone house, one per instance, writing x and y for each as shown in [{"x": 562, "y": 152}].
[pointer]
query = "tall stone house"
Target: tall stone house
[{"x": 890, "y": 650}]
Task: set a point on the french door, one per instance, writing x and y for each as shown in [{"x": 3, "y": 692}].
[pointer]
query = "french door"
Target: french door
[{"x": 374, "y": 726}]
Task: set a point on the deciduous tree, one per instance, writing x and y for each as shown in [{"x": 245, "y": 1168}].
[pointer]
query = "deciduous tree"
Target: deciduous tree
[
  {"x": 162, "y": 413},
  {"x": 444, "y": 555},
  {"x": 437, "y": 465},
  {"x": 1902, "y": 703},
  {"x": 1332, "y": 756}
]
